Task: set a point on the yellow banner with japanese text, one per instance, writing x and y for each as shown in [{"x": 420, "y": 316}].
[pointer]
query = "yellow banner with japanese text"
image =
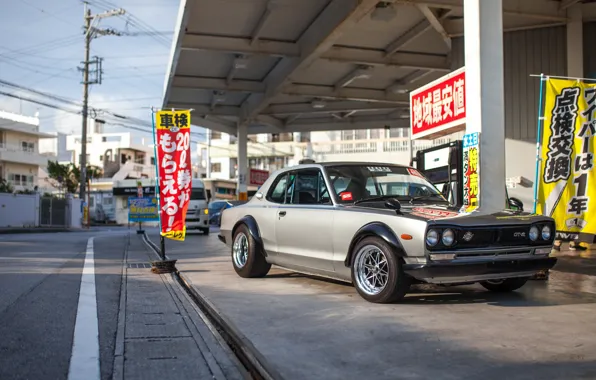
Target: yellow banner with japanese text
[{"x": 566, "y": 178}]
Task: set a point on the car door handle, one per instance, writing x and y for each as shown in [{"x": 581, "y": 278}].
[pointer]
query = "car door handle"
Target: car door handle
[{"x": 282, "y": 213}]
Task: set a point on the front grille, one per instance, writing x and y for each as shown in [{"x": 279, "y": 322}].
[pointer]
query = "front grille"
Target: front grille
[
  {"x": 491, "y": 237},
  {"x": 494, "y": 237}
]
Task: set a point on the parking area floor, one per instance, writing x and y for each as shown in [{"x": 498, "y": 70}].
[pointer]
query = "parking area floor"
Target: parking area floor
[{"x": 311, "y": 328}]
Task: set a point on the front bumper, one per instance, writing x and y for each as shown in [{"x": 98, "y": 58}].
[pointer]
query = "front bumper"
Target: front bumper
[
  {"x": 197, "y": 222},
  {"x": 462, "y": 272}
]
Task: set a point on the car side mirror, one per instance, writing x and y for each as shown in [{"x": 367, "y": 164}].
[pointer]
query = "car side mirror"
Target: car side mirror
[
  {"x": 259, "y": 195},
  {"x": 516, "y": 204},
  {"x": 393, "y": 204}
]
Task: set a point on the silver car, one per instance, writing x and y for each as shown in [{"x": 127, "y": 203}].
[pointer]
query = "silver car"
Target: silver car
[{"x": 381, "y": 227}]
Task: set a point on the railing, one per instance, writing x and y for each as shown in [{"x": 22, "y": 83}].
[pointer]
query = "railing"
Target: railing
[
  {"x": 17, "y": 148},
  {"x": 388, "y": 145}
]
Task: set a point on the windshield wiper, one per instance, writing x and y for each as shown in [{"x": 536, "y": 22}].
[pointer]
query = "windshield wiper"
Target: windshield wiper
[
  {"x": 374, "y": 199},
  {"x": 430, "y": 196}
]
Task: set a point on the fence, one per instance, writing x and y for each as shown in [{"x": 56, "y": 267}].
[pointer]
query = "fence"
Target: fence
[
  {"x": 32, "y": 210},
  {"x": 54, "y": 212}
]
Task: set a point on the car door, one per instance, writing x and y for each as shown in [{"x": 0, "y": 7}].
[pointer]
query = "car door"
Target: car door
[
  {"x": 304, "y": 222},
  {"x": 265, "y": 213}
]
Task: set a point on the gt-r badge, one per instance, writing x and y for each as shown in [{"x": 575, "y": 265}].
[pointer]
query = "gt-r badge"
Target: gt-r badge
[{"x": 468, "y": 236}]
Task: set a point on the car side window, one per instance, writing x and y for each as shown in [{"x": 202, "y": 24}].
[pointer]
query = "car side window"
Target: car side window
[
  {"x": 310, "y": 188},
  {"x": 278, "y": 192}
]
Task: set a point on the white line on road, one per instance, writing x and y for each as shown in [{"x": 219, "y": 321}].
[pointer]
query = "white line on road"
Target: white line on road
[{"x": 84, "y": 361}]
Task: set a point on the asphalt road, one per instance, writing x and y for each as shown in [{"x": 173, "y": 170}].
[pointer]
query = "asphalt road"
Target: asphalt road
[
  {"x": 314, "y": 328},
  {"x": 40, "y": 278}
]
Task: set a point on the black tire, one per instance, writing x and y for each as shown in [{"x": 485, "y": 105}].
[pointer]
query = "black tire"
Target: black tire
[
  {"x": 255, "y": 265},
  {"x": 398, "y": 283},
  {"x": 205, "y": 230},
  {"x": 505, "y": 285}
]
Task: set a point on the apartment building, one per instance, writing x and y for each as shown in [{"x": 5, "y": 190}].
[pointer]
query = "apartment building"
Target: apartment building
[{"x": 20, "y": 159}]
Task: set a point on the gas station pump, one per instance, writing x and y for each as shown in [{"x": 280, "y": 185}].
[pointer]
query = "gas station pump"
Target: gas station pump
[{"x": 443, "y": 166}]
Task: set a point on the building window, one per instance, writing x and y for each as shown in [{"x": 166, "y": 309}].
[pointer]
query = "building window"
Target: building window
[
  {"x": 347, "y": 135},
  {"x": 375, "y": 133},
  {"x": 21, "y": 179},
  {"x": 216, "y": 167},
  {"x": 153, "y": 161},
  {"x": 215, "y": 135},
  {"x": 28, "y": 146},
  {"x": 360, "y": 134}
]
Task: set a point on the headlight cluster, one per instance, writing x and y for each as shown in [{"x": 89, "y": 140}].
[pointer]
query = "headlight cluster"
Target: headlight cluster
[
  {"x": 447, "y": 237},
  {"x": 545, "y": 233}
]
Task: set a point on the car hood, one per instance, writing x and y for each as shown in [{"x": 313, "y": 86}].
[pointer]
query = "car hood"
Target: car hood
[{"x": 438, "y": 214}]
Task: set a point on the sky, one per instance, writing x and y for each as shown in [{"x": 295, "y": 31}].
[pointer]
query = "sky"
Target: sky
[{"x": 42, "y": 44}]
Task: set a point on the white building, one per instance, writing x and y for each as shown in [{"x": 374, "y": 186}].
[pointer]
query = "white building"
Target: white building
[
  {"x": 122, "y": 157},
  {"x": 218, "y": 157},
  {"x": 20, "y": 158}
]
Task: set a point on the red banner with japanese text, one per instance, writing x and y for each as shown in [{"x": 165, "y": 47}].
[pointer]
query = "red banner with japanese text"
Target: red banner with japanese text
[
  {"x": 439, "y": 107},
  {"x": 174, "y": 170}
]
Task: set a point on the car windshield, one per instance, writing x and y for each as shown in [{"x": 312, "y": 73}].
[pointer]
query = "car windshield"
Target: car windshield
[
  {"x": 353, "y": 183},
  {"x": 197, "y": 194}
]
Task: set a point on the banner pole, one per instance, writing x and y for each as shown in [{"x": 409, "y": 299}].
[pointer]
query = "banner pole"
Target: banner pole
[
  {"x": 539, "y": 140},
  {"x": 161, "y": 238}
]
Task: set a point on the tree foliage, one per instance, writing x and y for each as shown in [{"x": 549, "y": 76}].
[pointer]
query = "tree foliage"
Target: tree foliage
[
  {"x": 5, "y": 186},
  {"x": 67, "y": 176}
]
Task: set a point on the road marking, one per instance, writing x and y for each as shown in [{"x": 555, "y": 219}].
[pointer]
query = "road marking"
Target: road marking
[{"x": 84, "y": 360}]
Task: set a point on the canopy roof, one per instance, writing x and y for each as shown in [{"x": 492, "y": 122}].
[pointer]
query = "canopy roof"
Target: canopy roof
[{"x": 310, "y": 65}]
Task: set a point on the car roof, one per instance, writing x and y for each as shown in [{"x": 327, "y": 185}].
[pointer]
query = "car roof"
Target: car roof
[{"x": 339, "y": 163}]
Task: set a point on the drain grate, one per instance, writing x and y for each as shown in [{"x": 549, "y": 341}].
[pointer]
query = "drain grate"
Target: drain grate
[{"x": 139, "y": 265}]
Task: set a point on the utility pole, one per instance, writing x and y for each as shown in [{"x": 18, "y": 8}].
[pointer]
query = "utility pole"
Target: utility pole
[{"x": 91, "y": 32}]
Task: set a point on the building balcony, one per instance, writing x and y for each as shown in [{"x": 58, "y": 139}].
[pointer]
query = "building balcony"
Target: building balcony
[{"x": 16, "y": 154}]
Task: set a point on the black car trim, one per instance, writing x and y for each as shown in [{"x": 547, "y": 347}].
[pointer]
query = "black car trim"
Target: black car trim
[
  {"x": 253, "y": 229},
  {"x": 222, "y": 238},
  {"x": 451, "y": 269},
  {"x": 377, "y": 229}
]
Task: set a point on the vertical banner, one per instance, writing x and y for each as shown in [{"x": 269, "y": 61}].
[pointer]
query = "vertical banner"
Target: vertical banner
[
  {"x": 471, "y": 171},
  {"x": 567, "y": 182},
  {"x": 174, "y": 171}
]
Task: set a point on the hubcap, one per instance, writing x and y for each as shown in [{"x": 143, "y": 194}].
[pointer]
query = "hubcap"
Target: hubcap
[
  {"x": 372, "y": 270},
  {"x": 240, "y": 250}
]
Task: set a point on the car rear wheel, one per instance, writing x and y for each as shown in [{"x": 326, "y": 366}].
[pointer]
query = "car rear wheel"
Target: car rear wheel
[
  {"x": 377, "y": 272},
  {"x": 504, "y": 285},
  {"x": 246, "y": 258}
]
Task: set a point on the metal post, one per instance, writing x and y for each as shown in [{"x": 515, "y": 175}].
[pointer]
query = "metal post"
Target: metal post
[
  {"x": 538, "y": 141},
  {"x": 83, "y": 161},
  {"x": 162, "y": 247}
]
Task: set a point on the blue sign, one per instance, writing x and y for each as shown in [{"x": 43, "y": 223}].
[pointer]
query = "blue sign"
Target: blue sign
[
  {"x": 143, "y": 209},
  {"x": 470, "y": 140}
]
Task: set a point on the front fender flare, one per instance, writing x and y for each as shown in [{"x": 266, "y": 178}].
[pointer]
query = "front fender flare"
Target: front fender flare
[
  {"x": 377, "y": 229},
  {"x": 253, "y": 229}
]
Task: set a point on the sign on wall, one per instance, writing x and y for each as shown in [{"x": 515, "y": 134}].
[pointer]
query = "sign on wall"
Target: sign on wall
[
  {"x": 567, "y": 181},
  {"x": 258, "y": 177},
  {"x": 142, "y": 209},
  {"x": 471, "y": 171},
  {"x": 439, "y": 108},
  {"x": 174, "y": 171}
]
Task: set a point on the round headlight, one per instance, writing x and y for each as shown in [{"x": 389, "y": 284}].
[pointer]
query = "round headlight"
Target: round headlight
[
  {"x": 545, "y": 233},
  {"x": 448, "y": 237},
  {"x": 432, "y": 237},
  {"x": 533, "y": 233}
]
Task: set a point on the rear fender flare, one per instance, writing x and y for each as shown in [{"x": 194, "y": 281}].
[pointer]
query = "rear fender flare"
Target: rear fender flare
[
  {"x": 375, "y": 229},
  {"x": 253, "y": 229}
]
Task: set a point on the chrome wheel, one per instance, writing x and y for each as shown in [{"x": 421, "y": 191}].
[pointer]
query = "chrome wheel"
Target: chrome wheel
[
  {"x": 240, "y": 250},
  {"x": 495, "y": 282},
  {"x": 371, "y": 269}
]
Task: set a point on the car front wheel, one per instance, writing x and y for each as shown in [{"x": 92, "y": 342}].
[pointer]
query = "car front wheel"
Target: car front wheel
[
  {"x": 377, "y": 272},
  {"x": 246, "y": 258},
  {"x": 504, "y": 285}
]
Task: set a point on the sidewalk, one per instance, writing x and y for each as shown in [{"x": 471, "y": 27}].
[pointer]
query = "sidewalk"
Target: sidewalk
[{"x": 161, "y": 333}]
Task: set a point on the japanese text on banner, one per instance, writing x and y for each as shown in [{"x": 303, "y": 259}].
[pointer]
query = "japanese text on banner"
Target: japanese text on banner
[
  {"x": 174, "y": 168},
  {"x": 471, "y": 171},
  {"x": 567, "y": 187}
]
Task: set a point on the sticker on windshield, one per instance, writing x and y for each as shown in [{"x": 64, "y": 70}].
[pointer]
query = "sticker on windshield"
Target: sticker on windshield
[
  {"x": 379, "y": 169},
  {"x": 415, "y": 172}
]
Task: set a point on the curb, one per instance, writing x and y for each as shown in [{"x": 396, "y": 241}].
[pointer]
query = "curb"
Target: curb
[
  {"x": 247, "y": 354},
  {"x": 9, "y": 231}
]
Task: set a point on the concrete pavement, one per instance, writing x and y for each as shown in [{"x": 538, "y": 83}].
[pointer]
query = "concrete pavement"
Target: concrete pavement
[
  {"x": 146, "y": 327},
  {"x": 314, "y": 328}
]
